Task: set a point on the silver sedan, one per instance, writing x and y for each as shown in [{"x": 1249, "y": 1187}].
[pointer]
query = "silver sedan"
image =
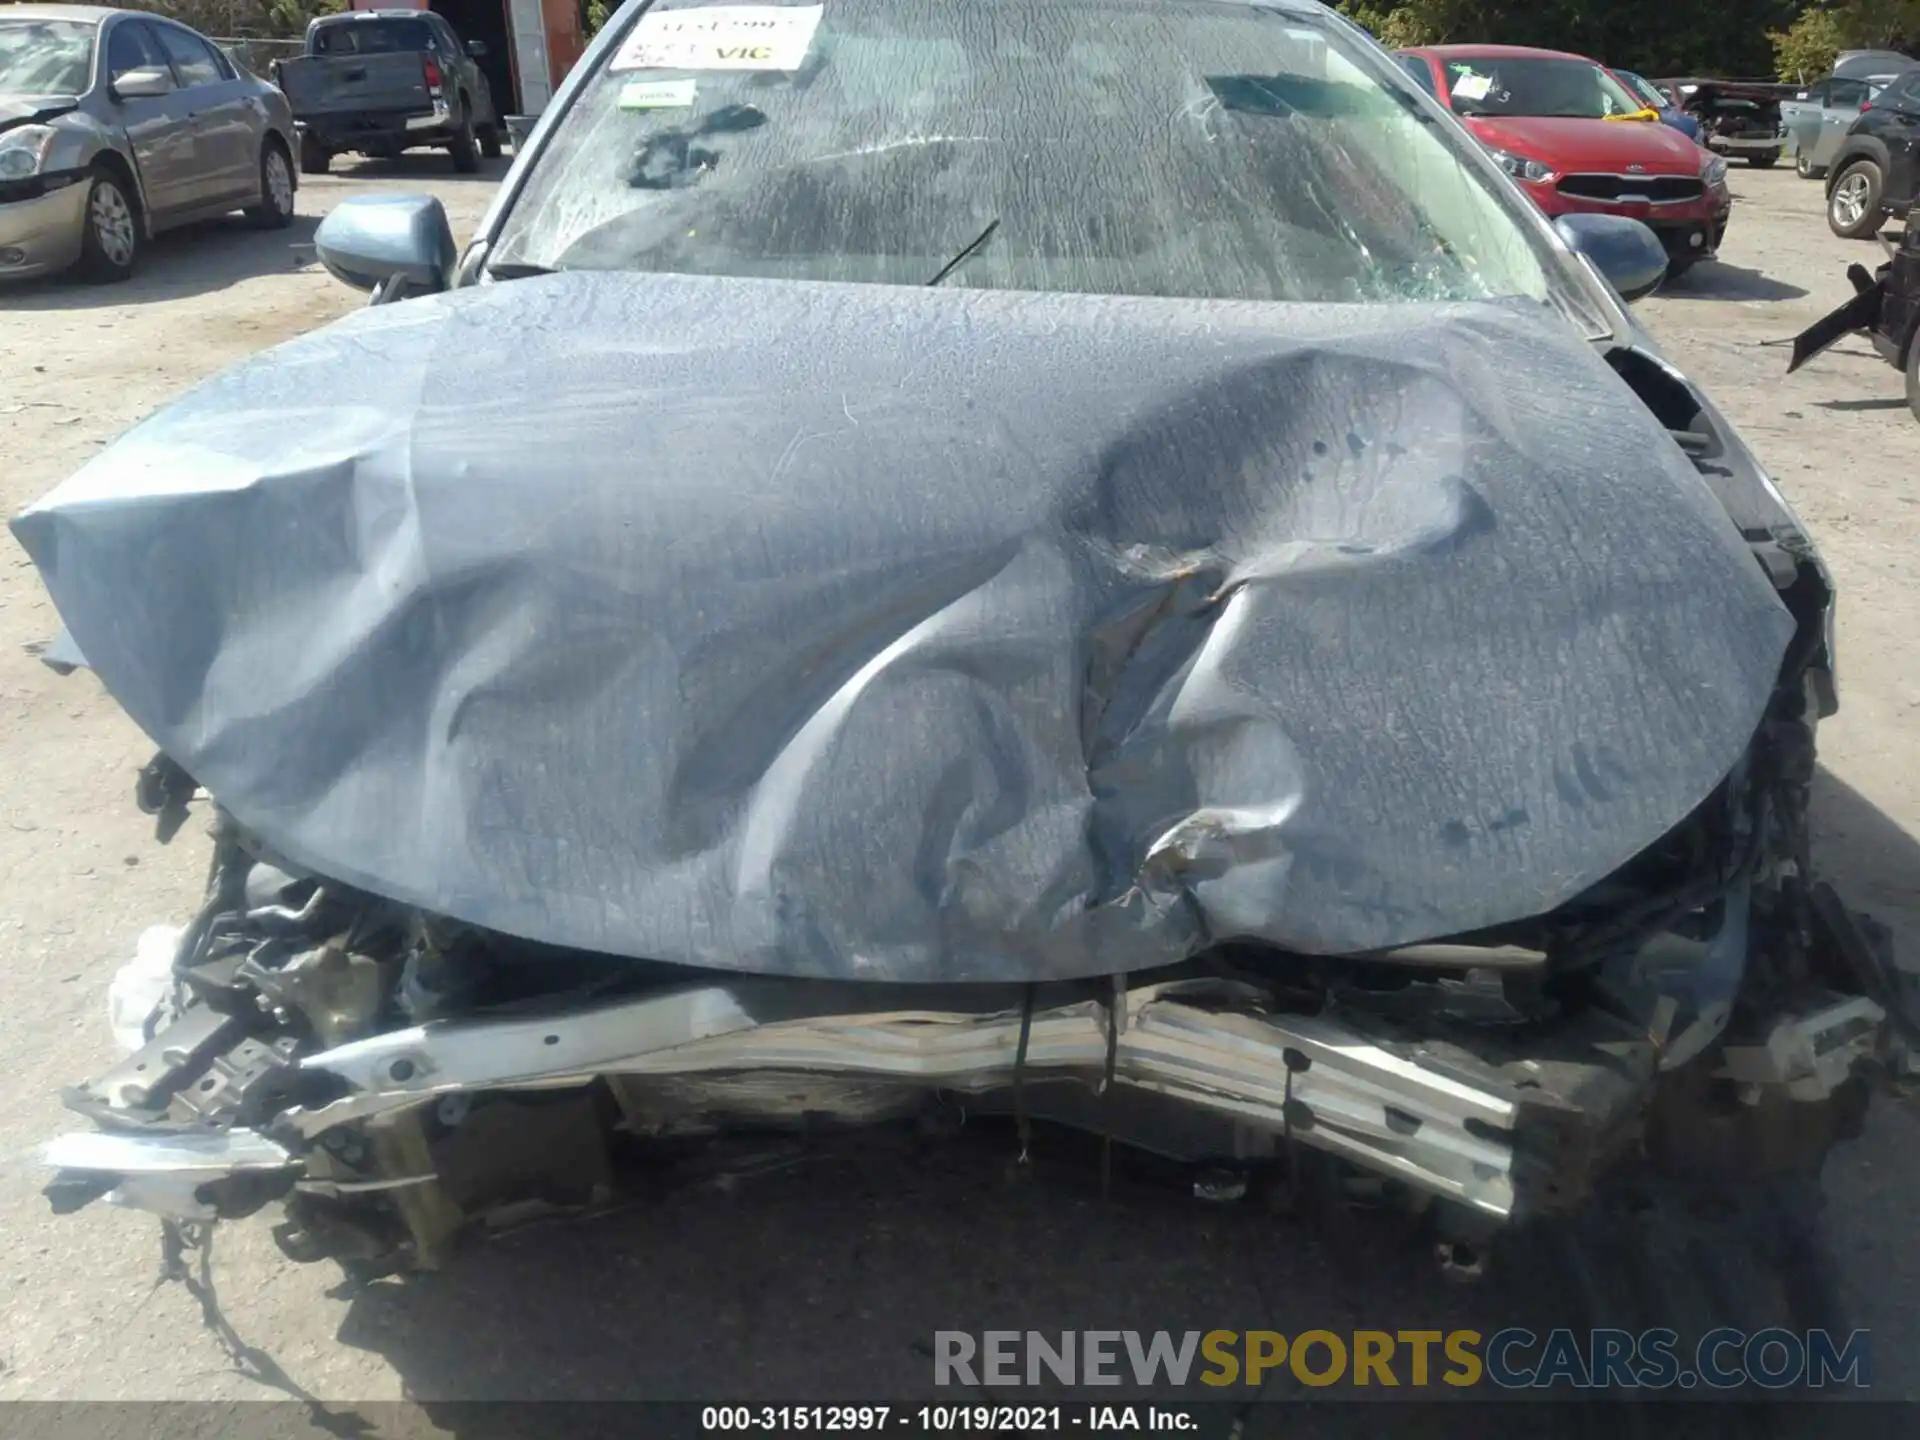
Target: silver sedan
[{"x": 116, "y": 125}]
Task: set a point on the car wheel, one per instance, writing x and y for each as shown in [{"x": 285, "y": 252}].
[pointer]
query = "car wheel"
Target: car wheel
[
  {"x": 1854, "y": 211},
  {"x": 465, "y": 148},
  {"x": 490, "y": 144},
  {"x": 275, "y": 210},
  {"x": 110, "y": 231},
  {"x": 314, "y": 157},
  {"x": 1913, "y": 380},
  {"x": 1764, "y": 161},
  {"x": 1802, "y": 166}
]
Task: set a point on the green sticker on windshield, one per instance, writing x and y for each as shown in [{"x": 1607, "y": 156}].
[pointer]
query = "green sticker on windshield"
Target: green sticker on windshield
[{"x": 659, "y": 95}]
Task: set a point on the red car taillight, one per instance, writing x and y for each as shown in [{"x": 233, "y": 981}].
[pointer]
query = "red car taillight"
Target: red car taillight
[{"x": 433, "y": 73}]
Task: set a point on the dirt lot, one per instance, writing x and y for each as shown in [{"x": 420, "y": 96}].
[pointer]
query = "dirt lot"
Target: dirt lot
[{"x": 820, "y": 1282}]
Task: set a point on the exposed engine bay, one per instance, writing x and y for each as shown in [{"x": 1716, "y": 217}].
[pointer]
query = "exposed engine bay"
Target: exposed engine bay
[{"x": 398, "y": 1080}]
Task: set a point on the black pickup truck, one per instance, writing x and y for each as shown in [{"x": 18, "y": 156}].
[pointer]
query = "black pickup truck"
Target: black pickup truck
[{"x": 381, "y": 81}]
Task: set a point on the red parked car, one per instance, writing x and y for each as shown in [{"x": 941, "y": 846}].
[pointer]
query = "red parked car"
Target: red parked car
[{"x": 1578, "y": 140}]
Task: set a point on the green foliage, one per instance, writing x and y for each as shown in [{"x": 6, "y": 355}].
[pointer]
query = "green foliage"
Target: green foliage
[
  {"x": 1804, "y": 51},
  {"x": 1795, "y": 39},
  {"x": 598, "y": 13},
  {"x": 229, "y": 19}
]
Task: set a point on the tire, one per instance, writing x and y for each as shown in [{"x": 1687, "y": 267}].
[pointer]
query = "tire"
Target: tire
[
  {"x": 1766, "y": 160},
  {"x": 275, "y": 210},
  {"x": 110, "y": 237},
  {"x": 465, "y": 148},
  {"x": 1854, "y": 208},
  {"x": 314, "y": 157},
  {"x": 490, "y": 142},
  {"x": 1805, "y": 168},
  {"x": 1913, "y": 380}
]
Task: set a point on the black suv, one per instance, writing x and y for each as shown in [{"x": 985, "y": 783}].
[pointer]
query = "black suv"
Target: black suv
[{"x": 1875, "y": 175}]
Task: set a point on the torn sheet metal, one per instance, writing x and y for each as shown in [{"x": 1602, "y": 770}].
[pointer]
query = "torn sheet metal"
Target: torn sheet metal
[
  {"x": 1860, "y": 313},
  {"x": 863, "y": 631},
  {"x": 164, "y": 1152}
]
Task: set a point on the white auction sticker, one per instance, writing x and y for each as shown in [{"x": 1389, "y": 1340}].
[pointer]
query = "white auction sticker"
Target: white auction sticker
[
  {"x": 721, "y": 37},
  {"x": 1473, "y": 87}
]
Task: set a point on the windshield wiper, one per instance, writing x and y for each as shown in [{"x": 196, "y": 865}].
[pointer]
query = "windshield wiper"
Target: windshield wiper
[
  {"x": 973, "y": 248},
  {"x": 517, "y": 270}
]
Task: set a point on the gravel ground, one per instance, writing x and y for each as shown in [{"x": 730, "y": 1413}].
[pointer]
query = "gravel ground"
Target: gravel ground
[{"x": 822, "y": 1282}]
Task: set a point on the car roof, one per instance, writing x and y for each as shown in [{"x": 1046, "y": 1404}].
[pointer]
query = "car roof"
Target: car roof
[
  {"x": 1498, "y": 52},
  {"x": 76, "y": 13}
]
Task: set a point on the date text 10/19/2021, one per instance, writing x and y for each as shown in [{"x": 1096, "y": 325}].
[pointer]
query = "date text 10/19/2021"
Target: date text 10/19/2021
[{"x": 943, "y": 1419}]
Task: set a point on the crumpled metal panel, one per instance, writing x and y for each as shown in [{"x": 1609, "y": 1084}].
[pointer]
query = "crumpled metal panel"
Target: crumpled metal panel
[{"x": 925, "y": 635}]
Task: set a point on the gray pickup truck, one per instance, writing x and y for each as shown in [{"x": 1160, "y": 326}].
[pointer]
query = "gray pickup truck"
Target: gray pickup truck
[{"x": 378, "y": 82}]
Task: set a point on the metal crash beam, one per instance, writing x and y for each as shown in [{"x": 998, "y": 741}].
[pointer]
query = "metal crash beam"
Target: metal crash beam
[{"x": 1200, "y": 1042}]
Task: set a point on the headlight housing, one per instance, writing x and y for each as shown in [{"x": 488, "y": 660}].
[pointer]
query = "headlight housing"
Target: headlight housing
[
  {"x": 1713, "y": 168},
  {"x": 24, "y": 151},
  {"x": 1519, "y": 166}
]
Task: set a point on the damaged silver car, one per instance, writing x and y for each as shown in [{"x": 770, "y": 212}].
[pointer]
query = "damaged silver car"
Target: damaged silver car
[{"x": 1092, "y": 560}]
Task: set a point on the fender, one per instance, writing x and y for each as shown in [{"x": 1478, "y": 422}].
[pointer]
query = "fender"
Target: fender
[{"x": 1859, "y": 147}]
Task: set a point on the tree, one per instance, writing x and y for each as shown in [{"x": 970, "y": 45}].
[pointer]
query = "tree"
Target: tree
[
  {"x": 228, "y": 19},
  {"x": 1804, "y": 51}
]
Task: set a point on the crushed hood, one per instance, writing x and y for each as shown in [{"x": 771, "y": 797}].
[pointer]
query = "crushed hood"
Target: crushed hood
[
  {"x": 925, "y": 634},
  {"x": 18, "y": 110}
]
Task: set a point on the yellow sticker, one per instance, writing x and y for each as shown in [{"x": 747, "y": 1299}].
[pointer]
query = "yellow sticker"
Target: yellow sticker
[
  {"x": 721, "y": 37},
  {"x": 659, "y": 95}
]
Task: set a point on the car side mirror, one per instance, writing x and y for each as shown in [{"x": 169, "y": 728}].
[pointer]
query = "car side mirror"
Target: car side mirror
[
  {"x": 149, "y": 82},
  {"x": 1626, "y": 252},
  {"x": 477, "y": 48},
  {"x": 392, "y": 245}
]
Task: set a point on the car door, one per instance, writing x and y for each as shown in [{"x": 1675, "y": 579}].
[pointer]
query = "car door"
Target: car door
[
  {"x": 1800, "y": 117},
  {"x": 1839, "y": 108},
  {"x": 224, "y": 165},
  {"x": 472, "y": 78},
  {"x": 155, "y": 127},
  {"x": 454, "y": 63}
]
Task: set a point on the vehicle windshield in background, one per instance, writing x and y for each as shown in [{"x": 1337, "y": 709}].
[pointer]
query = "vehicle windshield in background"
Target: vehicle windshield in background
[
  {"x": 376, "y": 37},
  {"x": 1538, "y": 86},
  {"x": 1644, "y": 91},
  {"x": 1126, "y": 147},
  {"x": 45, "y": 57}
]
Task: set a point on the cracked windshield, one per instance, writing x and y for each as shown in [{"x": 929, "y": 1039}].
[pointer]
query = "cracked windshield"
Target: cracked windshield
[
  {"x": 1159, "y": 148},
  {"x": 44, "y": 57}
]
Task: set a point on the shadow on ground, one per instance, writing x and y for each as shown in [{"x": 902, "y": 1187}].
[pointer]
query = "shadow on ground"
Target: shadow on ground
[
  {"x": 1872, "y": 861},
  {"x": 194, "y": 260},
  {"x": 426, "y": 164},
  {"x": 1848, "y": 406},
  {"x": 1716, "y": 280}
]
